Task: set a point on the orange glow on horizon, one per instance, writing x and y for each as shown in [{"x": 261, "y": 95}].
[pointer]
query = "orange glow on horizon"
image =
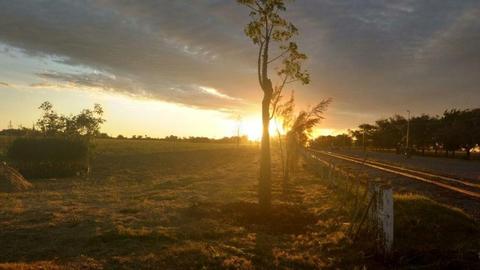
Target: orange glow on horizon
[
  {"x": 252, "y": 127},
  {"x": 326, "y": 132}
]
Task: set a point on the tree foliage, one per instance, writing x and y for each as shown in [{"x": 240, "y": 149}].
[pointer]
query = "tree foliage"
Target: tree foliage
[
  {"x": 454, "y": 130},
  {"x": 44, "y": 157},
  {"x": 86, "y": 123},
  {"x": 332, "y": 142},
  {"x": 298, "y": 129}
]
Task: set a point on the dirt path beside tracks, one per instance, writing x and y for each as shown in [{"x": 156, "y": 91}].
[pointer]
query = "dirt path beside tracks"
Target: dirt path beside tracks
[
  {"x": 468, "y": 169},
  {"x": 405, "y": 185}
]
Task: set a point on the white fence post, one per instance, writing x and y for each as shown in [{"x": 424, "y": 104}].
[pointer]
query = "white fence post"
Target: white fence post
[
  {"x": 386, "y": 214},
  {"x": 383, "y": 216}
]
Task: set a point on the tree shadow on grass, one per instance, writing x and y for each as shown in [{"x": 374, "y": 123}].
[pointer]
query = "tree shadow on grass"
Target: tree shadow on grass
[
  {"x": 281, "y": 219},
  {"x": 200, "y": 226},
  {"x": 67, "y": 242},
  {"x": 270, "y": 228}
]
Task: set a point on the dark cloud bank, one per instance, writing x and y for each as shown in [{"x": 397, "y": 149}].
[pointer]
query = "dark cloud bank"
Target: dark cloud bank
[{"x": 372, "y": 57}]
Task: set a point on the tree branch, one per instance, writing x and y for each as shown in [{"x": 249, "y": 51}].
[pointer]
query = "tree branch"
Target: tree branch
[
  {"x": 252, "y": 8},
  {"x": 259, "y": 68},
  {"x": 259, "y": 5},
  {"x": 292, "y": 81},
  {"x": 278, "y": 56},
  {"x": 278, "y": 96},
  {"x": 284, "y": 82}
]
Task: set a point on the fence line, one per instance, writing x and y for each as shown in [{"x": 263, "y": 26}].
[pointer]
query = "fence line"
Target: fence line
[{"x": 374, "y": 206}]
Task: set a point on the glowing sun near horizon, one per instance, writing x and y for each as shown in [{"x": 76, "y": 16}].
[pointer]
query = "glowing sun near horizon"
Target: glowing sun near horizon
[{"x": 252, "y": 128}]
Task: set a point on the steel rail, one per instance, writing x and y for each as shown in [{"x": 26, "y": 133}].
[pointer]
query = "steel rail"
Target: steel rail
[
  {"x": 407, "y": 173},
  {"x": 450, "y": 179}
]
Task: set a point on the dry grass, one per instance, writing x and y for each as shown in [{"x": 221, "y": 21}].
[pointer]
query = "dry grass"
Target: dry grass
[
  {"x": 193, "y": 208},
  {"x": 435, "y": 236}
]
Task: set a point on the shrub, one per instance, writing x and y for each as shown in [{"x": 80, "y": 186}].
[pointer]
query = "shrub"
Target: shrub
[{"x": 49, "y": 157}]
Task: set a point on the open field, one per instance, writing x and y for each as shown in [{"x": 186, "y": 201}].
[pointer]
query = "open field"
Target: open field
[{"x": 155, "y": 205}]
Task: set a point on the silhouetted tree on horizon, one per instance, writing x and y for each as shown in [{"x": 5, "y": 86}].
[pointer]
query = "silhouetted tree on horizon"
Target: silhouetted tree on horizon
[{"x": 87, "y": 123}]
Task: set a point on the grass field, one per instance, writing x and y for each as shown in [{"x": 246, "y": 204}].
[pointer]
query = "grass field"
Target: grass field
[{"x": 156, "y": 205}]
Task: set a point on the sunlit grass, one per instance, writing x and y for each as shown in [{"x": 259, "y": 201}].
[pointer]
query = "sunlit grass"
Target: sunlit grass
[{"x": 149, "y": 205}]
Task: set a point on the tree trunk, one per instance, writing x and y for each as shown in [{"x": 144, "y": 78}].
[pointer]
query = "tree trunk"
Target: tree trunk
[
  {"x": 264, "y": 198},
  {"x": 288, "y": 160},
  {"x": 264, "y": 183},
  {"x": 283, "y": 159},
  {"x": 468, "y": 153}
]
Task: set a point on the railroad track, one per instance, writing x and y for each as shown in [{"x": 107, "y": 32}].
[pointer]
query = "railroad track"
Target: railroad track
[{"x": 454, "y": 184}]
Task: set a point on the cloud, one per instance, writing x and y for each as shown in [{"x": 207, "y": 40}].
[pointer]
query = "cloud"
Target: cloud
[
  {"x": 201, "y": 96},
  {"x": 4, "y": 84},
  {"x": 153, "y": 52},
  {"x": 215, "y": 92},
  {"x": 372, "y": 57}
]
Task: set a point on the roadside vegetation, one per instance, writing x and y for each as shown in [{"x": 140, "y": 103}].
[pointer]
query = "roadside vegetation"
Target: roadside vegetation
[{"x": 454, "y": 131}]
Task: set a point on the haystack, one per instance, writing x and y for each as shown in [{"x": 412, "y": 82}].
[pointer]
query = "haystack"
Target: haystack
[{"x": 11, "y": 180}]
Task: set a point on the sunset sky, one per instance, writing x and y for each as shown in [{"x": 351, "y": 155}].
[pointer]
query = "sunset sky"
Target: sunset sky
[{"x": 186, "y": 68}]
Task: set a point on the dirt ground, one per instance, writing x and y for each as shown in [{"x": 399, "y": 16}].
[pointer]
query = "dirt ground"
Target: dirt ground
[{"x": 189, "y": 207}]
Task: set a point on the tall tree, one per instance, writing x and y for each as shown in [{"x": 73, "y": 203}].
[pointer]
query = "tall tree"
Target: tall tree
[
  {"x": 272, "y": 33},
  {"x": 87, "y": 123},
  {"x": 363, "y": 135},
  {"x": 390, "y": 132},
  {"x": 466, "y": 126},
  {"x": 51, "y": 123},
  {"x": 422, "y": 131},
  {"x": 448, "y": 134}
]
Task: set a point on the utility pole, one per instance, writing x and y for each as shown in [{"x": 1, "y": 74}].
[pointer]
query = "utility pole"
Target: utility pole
[
  {"x": 364, "y": 147},
  {"x": 408, "y": 128},
  {"x": 239, "y": 119}
]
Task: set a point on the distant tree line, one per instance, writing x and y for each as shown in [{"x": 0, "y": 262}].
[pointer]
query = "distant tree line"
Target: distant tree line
[
  {"x": 32, "y": 132},
  {"x": 194, "y": 139},
  {"x": 87, "y": 124},
  {"x": 332, "y": 142},
  {"x": 455, "y": 130},
  {"x": 233, "y": 139}
]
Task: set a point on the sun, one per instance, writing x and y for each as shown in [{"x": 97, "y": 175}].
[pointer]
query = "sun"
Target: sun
[{"x": 252, "y": 127}]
